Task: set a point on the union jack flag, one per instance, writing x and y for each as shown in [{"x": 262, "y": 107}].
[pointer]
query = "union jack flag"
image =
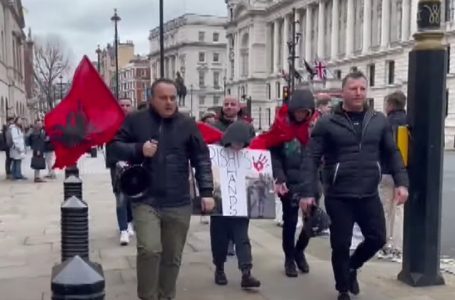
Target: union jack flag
[{"x": 321, "y": 70}]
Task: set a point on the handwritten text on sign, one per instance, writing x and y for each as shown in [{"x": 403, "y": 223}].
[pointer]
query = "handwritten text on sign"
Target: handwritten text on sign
[{"x": 233, "y": 167}]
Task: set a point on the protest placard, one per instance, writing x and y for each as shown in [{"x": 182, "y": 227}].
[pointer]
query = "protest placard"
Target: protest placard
[{"x": 243, "y": 182}]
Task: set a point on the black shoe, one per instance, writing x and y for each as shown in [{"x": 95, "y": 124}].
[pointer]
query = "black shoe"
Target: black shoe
[
  {"x": 301, "y": 262},
  {"x": 344, "y": 296},
  {"x": 290, "y": 268},
  {"x": 220, "y": 277},
  {"x": 248, "y": 281},
  {"x": 353, "y": 283}
]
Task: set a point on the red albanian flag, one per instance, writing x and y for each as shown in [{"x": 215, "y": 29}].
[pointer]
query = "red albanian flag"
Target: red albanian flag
[
  {"x": 210, "y": 134},
  {"x": 282, "y": 131},
  {"x": 88, "y": 116}
]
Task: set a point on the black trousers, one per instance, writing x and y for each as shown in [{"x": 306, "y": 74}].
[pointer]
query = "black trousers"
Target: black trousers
[
  {"x": 8, "y": 163},
  {"x": 290, "y": 219},
  {"x": 368, "y": 213},
  {"x": 224, "y": 229}
]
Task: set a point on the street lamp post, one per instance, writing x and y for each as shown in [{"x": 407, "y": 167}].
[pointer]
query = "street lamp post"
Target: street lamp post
[
  {"x": 191, "y": 99},
  {"x": 115, "y": 18},
  {"x": 161, "y": 40},
  {"x": 98, "y": 53},
  {"x": 61, "y": 86}
]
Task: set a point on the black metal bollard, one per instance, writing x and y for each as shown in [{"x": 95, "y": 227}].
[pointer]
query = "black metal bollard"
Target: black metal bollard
[
  {"x": 74, "y": 228},
  {"x": 79, "y": 279},
  {"x": 73, "y": 170},
  {"x": 72, "y": 186}
]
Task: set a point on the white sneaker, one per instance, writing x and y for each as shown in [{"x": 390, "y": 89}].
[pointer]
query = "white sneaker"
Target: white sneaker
[
  {"x": 130, "y": 229},
  {"x": 124, "y": 238}
]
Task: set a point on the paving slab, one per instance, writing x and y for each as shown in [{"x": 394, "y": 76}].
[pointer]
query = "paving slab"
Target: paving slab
[{"x": 30, "y": 246}]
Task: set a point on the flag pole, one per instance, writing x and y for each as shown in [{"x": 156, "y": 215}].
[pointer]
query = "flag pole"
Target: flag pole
[
  {"x": 292, "y": 65},
  {"x": 161, "y": 40},
  {"x": 115, "y": 18}
]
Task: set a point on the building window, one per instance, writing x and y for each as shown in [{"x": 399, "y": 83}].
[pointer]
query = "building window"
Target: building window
[
  {"x": 338, "y": 74},
  {"x": 201, "y": 36},
  {"x": 371, "y": 74},
  {"x": 278, "y": 89},
  {"x": 216, "y": 100},
  {"x": 370, "y": 102},
  {"x": 216, "y": 80},
  {"x": 216, "y": 57},
  {"x": 201, "y": 100},
  {"x": 390, "y": 71},
  {"x": 448, "y": 58},
  {"x": 268, "y": 91},
  {"x": 201, "y": 56},
  {"x": 216, "y": 36},
  {"x": 201, "y": 79},
  {"x": 229, "y": 92},
  {"x": 354, "y": 69},
  {"x": 449, "y": 10}
]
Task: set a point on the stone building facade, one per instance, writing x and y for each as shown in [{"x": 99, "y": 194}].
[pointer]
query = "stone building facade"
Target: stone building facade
[{"x": 194, "y": 46}]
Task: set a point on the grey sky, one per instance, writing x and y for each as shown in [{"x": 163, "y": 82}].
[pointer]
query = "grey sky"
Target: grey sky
[{"x": 84, "y": 24}]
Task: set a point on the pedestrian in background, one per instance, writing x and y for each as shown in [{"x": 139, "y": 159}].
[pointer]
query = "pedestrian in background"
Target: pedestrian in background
[
  {"x": 8, "y": 144},
  {"x": 17, "y": 150},
  {"x": 123, "y": 204},
  {"x": 36, "y": 141},
  {"x": 394, "y": 214}
]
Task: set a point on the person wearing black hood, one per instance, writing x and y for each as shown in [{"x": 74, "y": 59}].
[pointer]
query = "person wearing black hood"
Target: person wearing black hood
[
  {"x": 290, "y": 160},
  {"x": 230, "y": 113},
  {"x": 223, "y": 229}
]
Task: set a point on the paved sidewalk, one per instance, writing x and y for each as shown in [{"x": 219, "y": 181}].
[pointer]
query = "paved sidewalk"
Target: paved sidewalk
[{"x": 30, "y": 246}]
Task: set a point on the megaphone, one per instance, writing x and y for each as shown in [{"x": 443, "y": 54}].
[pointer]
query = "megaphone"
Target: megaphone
[{"x": 133, "y": 180}]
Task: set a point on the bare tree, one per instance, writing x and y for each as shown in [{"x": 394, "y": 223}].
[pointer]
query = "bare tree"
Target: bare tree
[{"x": 51, "y": 59}]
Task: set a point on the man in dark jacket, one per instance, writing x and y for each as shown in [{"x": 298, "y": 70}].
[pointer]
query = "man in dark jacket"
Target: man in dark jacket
[
  {"x": 396, "y": 115},
  {"x": 288, "y": 159},
  {"x": 352, "y": 140},
  {"x": 164, "y": 141}
]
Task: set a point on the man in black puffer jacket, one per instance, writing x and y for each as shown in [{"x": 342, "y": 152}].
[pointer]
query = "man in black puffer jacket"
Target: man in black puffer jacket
[
  {"x": 288, "y": 159},
  {"x": 352, "y": 140},
  {"x": 164, "y": 141}
]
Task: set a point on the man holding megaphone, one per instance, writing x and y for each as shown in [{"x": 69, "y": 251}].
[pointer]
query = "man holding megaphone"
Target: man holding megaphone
[{"x": 158, "y": 142}]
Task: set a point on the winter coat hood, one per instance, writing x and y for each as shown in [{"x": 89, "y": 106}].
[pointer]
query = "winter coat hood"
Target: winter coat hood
[
  {"x": 300, "y": 99},
  {"x": 238, "y": 132}
]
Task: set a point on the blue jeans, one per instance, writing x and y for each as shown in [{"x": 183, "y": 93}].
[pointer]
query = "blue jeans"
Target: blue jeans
[
  {"x": 16, "y": 170},
  {"x": 124, "y": 213}
]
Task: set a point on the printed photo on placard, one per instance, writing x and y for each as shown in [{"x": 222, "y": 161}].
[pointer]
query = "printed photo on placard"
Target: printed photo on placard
[{"x": 243, "y": 183}]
